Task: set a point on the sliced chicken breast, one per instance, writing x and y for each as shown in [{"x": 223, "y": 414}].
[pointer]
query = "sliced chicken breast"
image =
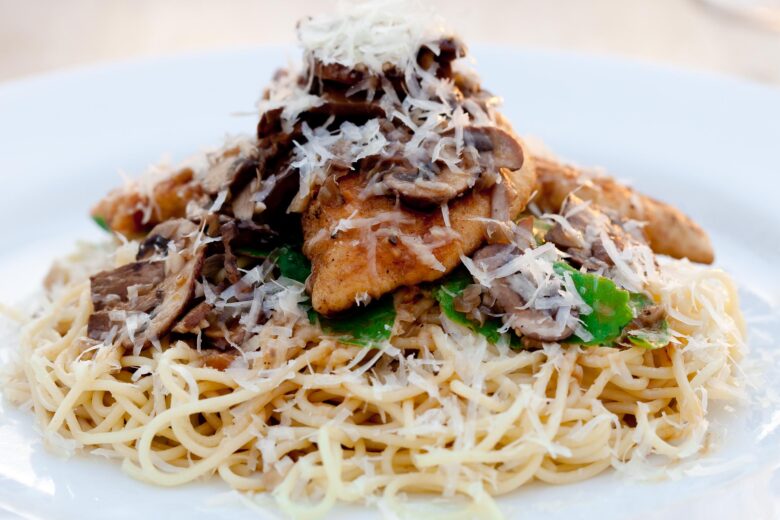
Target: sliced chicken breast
[
  {"x": 362, "y": 248},
  {"x": 668, "y": 230}
]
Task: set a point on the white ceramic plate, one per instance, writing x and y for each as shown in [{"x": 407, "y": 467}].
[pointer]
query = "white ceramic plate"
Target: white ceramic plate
[{"x": 707, "y": 144}]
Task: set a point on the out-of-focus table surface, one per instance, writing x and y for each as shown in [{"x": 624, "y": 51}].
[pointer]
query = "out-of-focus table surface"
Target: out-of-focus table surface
[{"x": 43, "y": 35}]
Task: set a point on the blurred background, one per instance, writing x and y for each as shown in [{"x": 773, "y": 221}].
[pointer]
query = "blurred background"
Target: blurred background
[{"x": 735, "y": 37}]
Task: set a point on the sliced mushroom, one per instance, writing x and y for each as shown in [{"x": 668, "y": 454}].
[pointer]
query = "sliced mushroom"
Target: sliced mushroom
[
  {"x": 499, "y": 229},
  {"x": 270, "y": 123},
  {"x": 469, "y": 299},
  {"x": 530, "y": 323},
  {"x": 159, "y": 290},
  {"x": 157, "y": 241},
  {"x": 523, "y": 233},
  {"x": 232, "y": 165},
  {"x": 110, "y": 289},
  {"x": 339, "y": 74},
  {"x": 276, "y": 193},
  {"x": 497, "y": 148},
  {"x": 133, "y": 287},
  {"x": 649, "y": 319},
  {"x": 243, "y": 203},
  {"x": 539, "y": 325},
  {"x": 100, "y": 327},
  {"x": 177, "y": 290},
  {"x": 346, "y": 108},
  {"x": 229, "y": 232},
  {"x": 194, "y": 320},
  {"x": 213, "y": 267},
  {"x": 494, "y": 256},
  {"x": 419, "y": 192},
  {"x": 153, "y": 245},
  {"x": 257, "y": 236},
  {"x": 564, "y": 238},
  {"x": 225, "y": 336},
  {"x": 441, "y": 53},
  {"x": 334, "y": 108}
]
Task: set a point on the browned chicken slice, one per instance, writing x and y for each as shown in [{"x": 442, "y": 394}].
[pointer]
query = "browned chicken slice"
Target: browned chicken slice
[
  {"x": 132, "y": 211},
  {"x": 668, "y": 230},
  {"x": 369, "y": 246}
]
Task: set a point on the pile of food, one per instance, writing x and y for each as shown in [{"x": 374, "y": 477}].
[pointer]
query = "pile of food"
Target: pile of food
[{"x": 382, "y": 291}]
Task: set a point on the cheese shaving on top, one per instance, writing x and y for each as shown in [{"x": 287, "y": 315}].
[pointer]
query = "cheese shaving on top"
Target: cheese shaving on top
[
  {"x": 371, "y": 34},
  {"x": 420, "y": 115}
]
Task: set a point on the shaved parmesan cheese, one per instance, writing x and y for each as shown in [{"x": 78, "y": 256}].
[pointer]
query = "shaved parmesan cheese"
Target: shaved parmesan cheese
[
  {"x": 445, "y": 215},
  {"x": 322, "y": 147},
  {"x": 423, "y": 251},
  {"x": 371, "y": 34},
  {"x": 219, "y": 201}
]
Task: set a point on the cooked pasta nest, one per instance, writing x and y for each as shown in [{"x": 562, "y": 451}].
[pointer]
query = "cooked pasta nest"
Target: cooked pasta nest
[{"x": 438, "y": 409}]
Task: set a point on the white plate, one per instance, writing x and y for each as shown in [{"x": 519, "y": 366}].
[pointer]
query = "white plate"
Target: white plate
[{"x": 705, "y": 143}]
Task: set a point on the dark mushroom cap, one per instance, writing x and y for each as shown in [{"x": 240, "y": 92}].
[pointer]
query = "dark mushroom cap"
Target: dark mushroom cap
[{"x": 493, "y": 149}]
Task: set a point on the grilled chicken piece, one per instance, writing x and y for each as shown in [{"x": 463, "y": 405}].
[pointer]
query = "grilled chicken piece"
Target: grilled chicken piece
[
  {"x": 581, "y": 237},
  {"x": 133, "y": 211},
  {"x": 668, "y": 230},
  {"x": 345, "y": 264}
]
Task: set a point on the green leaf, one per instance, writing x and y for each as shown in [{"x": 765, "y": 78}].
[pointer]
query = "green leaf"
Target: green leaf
[
  {"x": 291, "y": 261},
  {"x": 656, "y": 337},
  {"x": 639, "y": 301},
  {"x": 293, "y": 264},
  {"x": 612, "y": 309},
  {"x": 450, "y": 289},
  {"x": 364, "y": 326},
  {"x": 100, "y": 221}
]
